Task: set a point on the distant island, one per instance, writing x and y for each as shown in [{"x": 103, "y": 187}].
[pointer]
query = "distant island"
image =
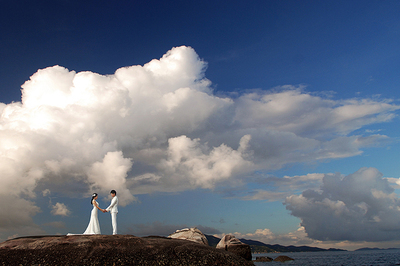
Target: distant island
[
  {"x": 260, "y": 247},
  {"x": 369, "y": 249}
]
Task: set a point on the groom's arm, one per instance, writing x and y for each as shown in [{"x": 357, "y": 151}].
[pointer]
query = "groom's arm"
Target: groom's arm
[{"x": 113, "y": 202}]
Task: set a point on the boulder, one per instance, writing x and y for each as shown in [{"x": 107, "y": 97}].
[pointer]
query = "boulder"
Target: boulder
[
  {"x": 112, "y": 250},
  {"x": 283, "y": 258},
  {"x": 263, "y": 259},
  {"x": 192, "y": 234},
  {"x": 227, "y": 240},
  {"x": 232, "y": 244}
]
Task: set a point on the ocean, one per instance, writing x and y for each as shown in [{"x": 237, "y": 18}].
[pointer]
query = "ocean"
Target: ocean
[{"x": 334, "y": 258}]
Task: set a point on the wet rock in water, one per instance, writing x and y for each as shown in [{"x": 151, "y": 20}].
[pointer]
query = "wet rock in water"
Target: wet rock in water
[
  {"x": 192, "y": 234},
  {"x": 263, "y": 259},
  {"x": 283, "y": 258},
  {"x": 112, "y": 250},
  {"x": 232, "y": 244}
]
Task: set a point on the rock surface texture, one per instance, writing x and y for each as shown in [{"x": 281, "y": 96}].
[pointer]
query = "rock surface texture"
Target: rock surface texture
[
  {"x": 263, "y": 259},
  {"x": 192, "y": 234},
  {"x": 232, "y": 244},
  {"x": 283, "y": 258},
  {"x": 111, "y": 250}
]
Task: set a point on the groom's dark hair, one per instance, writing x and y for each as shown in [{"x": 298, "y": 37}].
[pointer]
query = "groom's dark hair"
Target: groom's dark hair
[{"x": 113, "y": 192}]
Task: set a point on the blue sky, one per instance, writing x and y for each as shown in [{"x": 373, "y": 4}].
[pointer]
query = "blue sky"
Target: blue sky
[{"x": 243, "y": 118}]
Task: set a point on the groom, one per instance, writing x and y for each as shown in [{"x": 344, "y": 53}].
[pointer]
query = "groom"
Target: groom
[{"x": 113, "y": 209}]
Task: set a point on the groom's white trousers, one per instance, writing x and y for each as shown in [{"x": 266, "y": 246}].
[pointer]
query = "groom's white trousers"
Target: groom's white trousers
[{"x": 114, "y": 222}]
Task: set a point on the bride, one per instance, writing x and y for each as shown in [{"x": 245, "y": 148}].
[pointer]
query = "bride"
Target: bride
[{"x": 94, "y": 226}]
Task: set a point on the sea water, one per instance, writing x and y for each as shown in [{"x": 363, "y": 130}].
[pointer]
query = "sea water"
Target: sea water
[{"x": 333, "y": 258}]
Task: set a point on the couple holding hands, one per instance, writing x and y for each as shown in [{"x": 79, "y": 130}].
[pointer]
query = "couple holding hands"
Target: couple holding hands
[{"x": 94, "y": 226}]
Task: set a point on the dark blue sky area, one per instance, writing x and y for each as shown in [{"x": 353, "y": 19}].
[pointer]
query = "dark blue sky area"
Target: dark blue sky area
[{"x": 344, "y": 46}]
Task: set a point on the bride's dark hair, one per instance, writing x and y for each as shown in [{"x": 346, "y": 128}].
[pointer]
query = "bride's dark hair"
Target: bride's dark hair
[{"x": 93, "y": 196}]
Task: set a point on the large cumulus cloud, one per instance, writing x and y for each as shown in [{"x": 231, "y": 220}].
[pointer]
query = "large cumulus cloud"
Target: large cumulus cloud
[
  {"x": 359, "y": 207},
  {"x": 159, "y": 127}
]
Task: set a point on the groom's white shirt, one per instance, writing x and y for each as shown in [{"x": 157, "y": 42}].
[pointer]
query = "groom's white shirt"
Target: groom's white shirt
[{"x": 113, "y": 208}]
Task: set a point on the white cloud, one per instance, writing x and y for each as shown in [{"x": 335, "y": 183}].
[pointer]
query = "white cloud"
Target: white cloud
[
  {"x": 110, "y": 174},
  {"x": 60, "y": 209},
  {"x": 187, "y": 159},
  {"x": 394, "y": 182},
  {"x": 296, "y": 238},
  {"x": 46, "y": 192},
  {"x": 306, "y": 115},
  {"x": 159, "y": 127},
  {"x": 277, "y": 189},
  {"x": 359, "y": 207}
]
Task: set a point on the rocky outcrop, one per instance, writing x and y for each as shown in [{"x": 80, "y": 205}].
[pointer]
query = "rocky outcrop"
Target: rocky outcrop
[
  {"x": 263, "y": 259},
  {"x": 232, "y": 244},
  {"x": 112, "y": 250},
  {"x": 228, "y": 240},
  {"x": 283, "y": 258},
  {"x": 192, "y": 234}
]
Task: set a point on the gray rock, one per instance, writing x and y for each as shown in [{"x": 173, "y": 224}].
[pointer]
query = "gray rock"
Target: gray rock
[
  {"x": 232, "y": 244},
  {"x": 228, "y": 240},
  {"x": 192, "y": 234}
]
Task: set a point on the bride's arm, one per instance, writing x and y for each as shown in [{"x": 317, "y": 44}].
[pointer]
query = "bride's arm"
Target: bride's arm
[{"x": 97, "y": 206}]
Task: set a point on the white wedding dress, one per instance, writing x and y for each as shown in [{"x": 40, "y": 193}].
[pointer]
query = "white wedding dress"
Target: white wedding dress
[{"x": 94, "y": 226}]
